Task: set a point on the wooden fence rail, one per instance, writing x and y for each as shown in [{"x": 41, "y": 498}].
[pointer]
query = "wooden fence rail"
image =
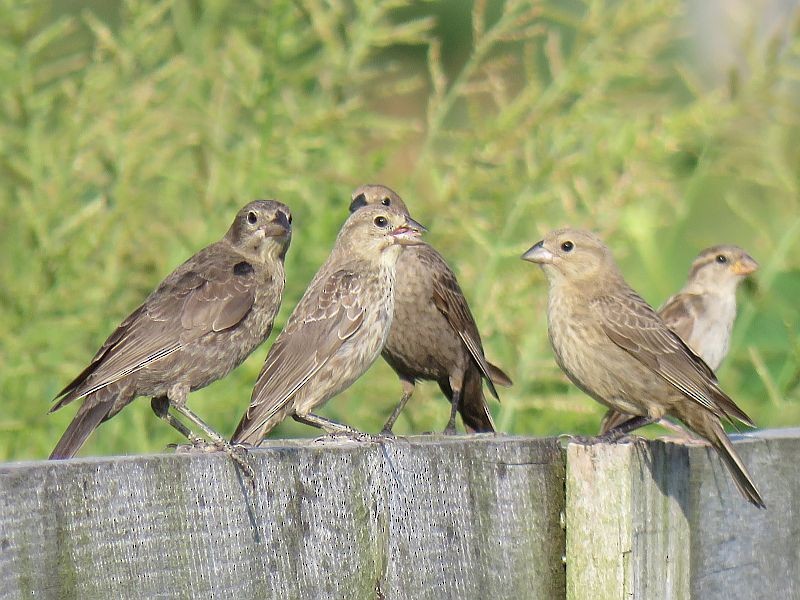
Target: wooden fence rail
[{"x": 416, "y": 518}]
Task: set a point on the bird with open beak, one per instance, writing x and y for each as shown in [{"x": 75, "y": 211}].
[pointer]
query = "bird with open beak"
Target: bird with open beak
[
  {"x": 338, "y": 328},
  {"x": 204, "y": 319},
  {"x": 703, "y": 312},
  {"x": 433, "y": 335},
  {"x": 615, "y": 347}
]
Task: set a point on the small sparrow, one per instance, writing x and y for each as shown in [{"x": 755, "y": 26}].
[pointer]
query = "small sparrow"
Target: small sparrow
[
  {"x": 203, "y": 320},
  {"x": 338, "y": 328},
  {"x": 434, "y": 336},
  {"x": 703, "y": 312},
  {"x": 617, "y": 349}
]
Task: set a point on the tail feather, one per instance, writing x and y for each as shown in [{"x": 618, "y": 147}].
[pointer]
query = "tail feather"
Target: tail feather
[
  {"x": 744, "y": 483},
  {"x": 709, "y": 427},
  {"x": 497, "y": 375},
  {"x": 84, "y": 423},
  {"x": 473, "y": 408}
]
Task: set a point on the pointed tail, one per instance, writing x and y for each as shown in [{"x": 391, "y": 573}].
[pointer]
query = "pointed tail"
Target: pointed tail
[
  {"x": 85, "y": 422},
  {"x": 474, "y": 410}
]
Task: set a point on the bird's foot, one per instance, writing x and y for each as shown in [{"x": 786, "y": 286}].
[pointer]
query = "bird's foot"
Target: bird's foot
[
  {"x": 584, "y": 440},
  {"x": 237, "y": 453},
  {"x": 196, "y": 445},
  {"x": 347, "y": 434},
  {"x": 685, "y": 438},
  {"x": 387, "y": 433}
]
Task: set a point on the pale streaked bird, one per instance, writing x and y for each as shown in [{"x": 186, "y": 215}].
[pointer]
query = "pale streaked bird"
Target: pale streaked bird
[
  {"x": 338, "y": 328},
  {"x": 433, "y": 335},
  {"x": 617, "y": 349}
]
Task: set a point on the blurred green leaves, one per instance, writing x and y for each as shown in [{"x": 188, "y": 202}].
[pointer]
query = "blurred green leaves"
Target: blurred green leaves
[{"x": 130, "y": 132}]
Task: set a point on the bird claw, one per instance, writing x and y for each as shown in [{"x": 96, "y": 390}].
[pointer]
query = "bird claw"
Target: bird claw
[
  {"x": 346, "y": 434},
  {"x": 196, "y": 446},
  {"x": 583, "y": 440}
]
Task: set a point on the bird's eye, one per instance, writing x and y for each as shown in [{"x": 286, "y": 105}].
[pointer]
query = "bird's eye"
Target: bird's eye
[
  {"x": 381, "y": 221},
  {"x": 386, "y": 201},
  {"x": 567, "y": 246},
  {"x": 252, "y": 218},
  {"x": 290, "y": 219},
  {"x": 722, "y": 259}
]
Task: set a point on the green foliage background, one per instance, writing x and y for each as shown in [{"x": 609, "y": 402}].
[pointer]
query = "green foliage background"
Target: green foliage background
[{"x": 130, "y": 133}]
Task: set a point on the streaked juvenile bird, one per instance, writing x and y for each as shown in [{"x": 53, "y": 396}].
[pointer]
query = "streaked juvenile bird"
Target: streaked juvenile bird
[
  {"x": 433, "y": 335},
  {"x": 200, "y": 323},
  {"x": 703, "y": 312},
  {"x": 617, "y": 349},
  {"x": 337, "y": 329}
]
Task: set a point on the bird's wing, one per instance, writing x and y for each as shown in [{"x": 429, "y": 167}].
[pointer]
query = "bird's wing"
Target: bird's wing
[
  {"x": 211, "y": 292},
  {"x": 450, "y": 301},
  {"x": 330, "y": 312},
  {"x": 680, "y": 313},
  {"x": 636, "y": 328}
]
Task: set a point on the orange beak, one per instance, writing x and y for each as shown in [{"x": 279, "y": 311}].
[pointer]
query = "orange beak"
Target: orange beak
[{"x": 745, "y": 266}]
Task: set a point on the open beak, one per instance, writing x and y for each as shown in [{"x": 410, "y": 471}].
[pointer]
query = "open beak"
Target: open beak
[
  {"x": 409, "y": 233},
  {"x": 538, "y": 254},
  {"x": 279, "y": 226},
  {"x": 745, "y": 266}
]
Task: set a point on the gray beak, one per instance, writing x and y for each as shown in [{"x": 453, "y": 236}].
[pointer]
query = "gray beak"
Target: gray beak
[{"x": 538, "y": 254}]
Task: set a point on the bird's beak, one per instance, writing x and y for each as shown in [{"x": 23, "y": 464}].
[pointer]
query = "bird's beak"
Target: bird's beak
[
  {"x": 279, "y": 226},
  {"x": 745, "y": 266},
  {"x": 538, "y": 254},
  {"x": 409, "y": 233}
]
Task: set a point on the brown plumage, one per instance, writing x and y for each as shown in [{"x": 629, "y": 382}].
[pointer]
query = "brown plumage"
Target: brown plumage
[
  {"x": 703, "y": 312},
  {"x": 337, "y": 329},
  {"x": 433, "y": 335},
  {"x": 200, "y": 323},
  {"x": 616, "y": 348}
]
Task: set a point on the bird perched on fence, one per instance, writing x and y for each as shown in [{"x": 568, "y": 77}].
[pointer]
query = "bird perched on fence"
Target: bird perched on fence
[
  {"x": 200, "y": 323},
  {"x": 703, "y": 312},
  {"x": 617, "y": 349},
  {"x": 433, "y": 335},
  {"x": 338, "y": 328}
]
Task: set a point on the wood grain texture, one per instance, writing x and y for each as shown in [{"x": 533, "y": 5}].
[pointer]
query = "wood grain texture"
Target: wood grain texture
[
  {"x": 410, "y": 518},
  {"x": 665, "y": 521}
]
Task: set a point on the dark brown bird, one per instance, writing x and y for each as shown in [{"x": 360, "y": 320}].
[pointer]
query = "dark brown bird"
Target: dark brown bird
[
  {"x": 703, "y": 312},
  {"x": 616, "y": 348},
  {"x": 203, "y": 320},
  {"x": 433, "y": 335},
  {"x": 337, "y": 329}
]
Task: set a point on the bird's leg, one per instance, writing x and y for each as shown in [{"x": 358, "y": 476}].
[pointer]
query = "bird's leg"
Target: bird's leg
[
  {"x": 455, "y": 386},
  {"x": 160, "y": 406},
  {"x": 177, "y": 397},
  {"x": 612, "y": 435},
  {"x": 329, "y": 426},
  {"x": 408, "y": 391}
]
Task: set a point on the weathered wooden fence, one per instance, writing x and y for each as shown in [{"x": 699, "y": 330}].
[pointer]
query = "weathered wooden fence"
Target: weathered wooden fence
[{"x": 466, "y": 517}]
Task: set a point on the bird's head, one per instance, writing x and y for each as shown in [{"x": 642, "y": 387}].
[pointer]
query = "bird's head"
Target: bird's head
[
  {"x": 262, "y": 229},
  {"x": 376, "y": 195},
  {"x": 720, "y": 268},
  {"x": 572, "y": 255},
  {"x": 374, "y": 231}
]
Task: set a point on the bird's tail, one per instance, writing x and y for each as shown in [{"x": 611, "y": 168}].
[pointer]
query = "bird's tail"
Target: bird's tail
[
  {"x": 497, "y": 376},
  {"x": 474, "y": 411},
  {"x": 738, "y": 471},
  {"x": 89, "y": 416},
  {"x": 710, "y": 427}
]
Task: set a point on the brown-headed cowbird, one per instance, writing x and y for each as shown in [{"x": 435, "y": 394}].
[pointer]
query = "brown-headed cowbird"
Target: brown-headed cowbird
[
  {"x": 616, "y": 348},
  {"x": 338, "y": 328},
  {"x": 703, "y": 312},
  {"x": 433, "y": 335},
  {"x": 203, "y": 320}
]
